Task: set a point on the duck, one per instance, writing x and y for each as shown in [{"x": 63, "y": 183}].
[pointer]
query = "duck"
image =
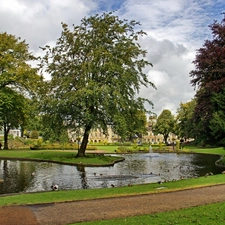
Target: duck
[{"x": 54, "y": 187}]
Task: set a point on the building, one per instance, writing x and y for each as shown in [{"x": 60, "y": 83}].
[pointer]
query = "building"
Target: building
[{"x": 13, "y": 132}]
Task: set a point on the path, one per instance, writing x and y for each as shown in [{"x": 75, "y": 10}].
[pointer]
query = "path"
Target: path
[{"x": 100, "y": 209}]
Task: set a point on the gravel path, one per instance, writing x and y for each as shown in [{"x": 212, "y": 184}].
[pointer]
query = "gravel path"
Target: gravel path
[{"x": 101, "y": 209}]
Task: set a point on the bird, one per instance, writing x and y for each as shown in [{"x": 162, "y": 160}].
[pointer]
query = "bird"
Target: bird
[
  {"x": 112, "y": 185},
  {"x": 54, "y": 187},
  {"x": 160, "y": 182},
  {"x": 1, "y": 181}
]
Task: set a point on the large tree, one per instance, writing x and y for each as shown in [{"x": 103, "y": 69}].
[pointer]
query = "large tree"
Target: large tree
[
  {"x": 96, "y": 72},
  {"x": 164, "y": 124},
  {"x": 15, "y": 70},
  {"x": 209, "y": 78},
  {"x": 217, "y": 124},
  {"x": 18, "y": 80},
  {"x": 13, "y": 111}
]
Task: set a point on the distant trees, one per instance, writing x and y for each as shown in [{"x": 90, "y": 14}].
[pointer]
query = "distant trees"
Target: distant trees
[
  {"x": 209, "y": 78},
  {"x": 185, "y": 126},
  {"x": 97, "y": 71},
  {"x": 137, "y": 125},
  {"x": 165, "y": 124}
]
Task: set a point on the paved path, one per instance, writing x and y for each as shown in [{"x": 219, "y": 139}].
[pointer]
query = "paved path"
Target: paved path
[{"x": 100, "y": 209}]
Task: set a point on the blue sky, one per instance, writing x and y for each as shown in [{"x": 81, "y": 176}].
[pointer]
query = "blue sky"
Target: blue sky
[{"x": 175, "y": 30}]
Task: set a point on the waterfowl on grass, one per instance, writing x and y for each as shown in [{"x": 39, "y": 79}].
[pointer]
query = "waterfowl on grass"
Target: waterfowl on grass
[{"x": 54, "y": 187}]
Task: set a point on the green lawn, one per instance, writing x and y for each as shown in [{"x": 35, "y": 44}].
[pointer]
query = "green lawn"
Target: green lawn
[
  {"x": 60, "y": 156},
  {"x": 212, "y": 214},
  {"x": 218, "y": 151},
  {"x": 107, "y": 148}
]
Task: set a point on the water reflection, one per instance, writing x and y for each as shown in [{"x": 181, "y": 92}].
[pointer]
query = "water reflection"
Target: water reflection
[{"x": 25, "y": 176}]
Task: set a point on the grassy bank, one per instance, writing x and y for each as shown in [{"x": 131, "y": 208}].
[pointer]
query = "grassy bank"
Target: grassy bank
[
  {"x": 217, "y": 151},
  {"x": 67, "y": 157},
  {"x": 72, "y": 195}
]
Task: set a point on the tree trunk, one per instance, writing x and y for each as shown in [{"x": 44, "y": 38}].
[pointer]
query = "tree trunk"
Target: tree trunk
[
  {"x": 165, "y": 138},
  {"x": 82, "y": 149},
  {"x": 6, "y": 132}
]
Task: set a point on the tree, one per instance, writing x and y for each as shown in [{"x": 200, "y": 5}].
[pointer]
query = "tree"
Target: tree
[
  {"x": 184, "y": 118},
  {"x": 96, "y": 71},
  {"x": 13, "y": 111},
  {"x": 217, "y": 124},
  {"x": 15, "y": 72},
  {"x": 164, "y": 124},
  {"x": 137, "y": 124},
  {"x": 209, "y": 78},
  {"x": 17, "y": 80}
]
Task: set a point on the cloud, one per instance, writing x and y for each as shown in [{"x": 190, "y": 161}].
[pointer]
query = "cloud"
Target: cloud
[
  {"x": 170, "y": 73},
  {"x": 40, "y": 21},
  {"x": 175, "y": 29}
]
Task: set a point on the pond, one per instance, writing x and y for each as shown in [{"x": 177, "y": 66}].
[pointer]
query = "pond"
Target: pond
[{"x": 27, "y": 176}]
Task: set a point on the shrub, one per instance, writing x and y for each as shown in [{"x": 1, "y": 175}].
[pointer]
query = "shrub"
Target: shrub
[{"x": 34, "y": 134}]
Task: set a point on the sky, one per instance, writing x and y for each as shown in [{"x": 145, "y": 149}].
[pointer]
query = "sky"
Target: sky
[{"x": 175, "y": 29}]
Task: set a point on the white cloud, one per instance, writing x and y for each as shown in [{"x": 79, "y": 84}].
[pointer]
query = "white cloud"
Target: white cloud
[
  {"x": 40, "y": 21},
  {"x": 175, "y": 29}
]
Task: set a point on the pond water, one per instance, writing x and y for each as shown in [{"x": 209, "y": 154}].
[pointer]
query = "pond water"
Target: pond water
[{"x": 26, "y": 176}]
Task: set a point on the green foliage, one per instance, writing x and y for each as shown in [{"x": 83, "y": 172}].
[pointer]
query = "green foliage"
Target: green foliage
[
  {"x": 14, "y": 70},
  {"x": 97, "y": 71},
  {"x": 34, "y": 134},
  {"x": 185, "y": 127},
  {"x": 136, "y": 122},
  {"x": 217, "y": 124},
  {"x": 165, "y": 124},
  {"x": 13, "y": 109},
  {"x": 160, "y": 145},
  {"x": 209, "y": 78},
  {"x": 17, "y": 80}
]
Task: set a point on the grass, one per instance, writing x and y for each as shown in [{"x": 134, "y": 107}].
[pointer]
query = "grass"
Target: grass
[
  {"x": 217, "y": 151},
  {"x": 207, "y": 214},
  {"x": 73, "y": 195},
  {"x": 61, "y": 156},
  {"x": 107, "y": 148}
]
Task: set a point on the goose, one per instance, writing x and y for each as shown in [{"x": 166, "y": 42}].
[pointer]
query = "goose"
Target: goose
[{"x": 54, "y": 187}]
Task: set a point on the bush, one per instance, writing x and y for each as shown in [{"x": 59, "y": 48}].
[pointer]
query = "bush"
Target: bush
[{"x": 34, "y": 134}]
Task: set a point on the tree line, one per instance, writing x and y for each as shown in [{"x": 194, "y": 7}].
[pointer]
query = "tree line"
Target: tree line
[{"x": 96, "y": 72}]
